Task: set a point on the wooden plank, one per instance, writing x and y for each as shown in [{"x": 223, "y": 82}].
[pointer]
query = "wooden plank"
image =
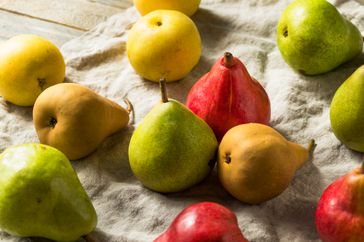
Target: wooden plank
[
  {"x": 81, "y": 14},
  {"x": 122, "y": 4},
  {"x": 13, "y": 24}
]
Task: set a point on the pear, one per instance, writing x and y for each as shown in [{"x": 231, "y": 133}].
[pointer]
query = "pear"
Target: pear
[
  {"x": 314, "y": 38},
  {"x": 172, "y": 149},
  {"x": 228, "y": 91},
  {"x": 75, "y": 120},
  {"x": 41, "y": 195},
  {"x": 347, "y": 111},
  {"x": 256, "y": 163},
  {"x": 204, "y": 222},
  {"x": 339, "y": 213}
]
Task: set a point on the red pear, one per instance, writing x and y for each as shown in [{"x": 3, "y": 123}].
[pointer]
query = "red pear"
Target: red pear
[
  {"x": 340, "y": 211},
  {"x": 203, "y": 222},
  {"x": 228, "y": 96}
]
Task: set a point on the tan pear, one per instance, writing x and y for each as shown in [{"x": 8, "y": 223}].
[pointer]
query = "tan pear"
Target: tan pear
[
  {"x": 256, "y": 163},
  {"x": 75, "y": 119}
]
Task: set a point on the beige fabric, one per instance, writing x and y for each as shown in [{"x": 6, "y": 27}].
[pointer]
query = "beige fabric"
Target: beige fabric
[{"x": 300, "y": 111}]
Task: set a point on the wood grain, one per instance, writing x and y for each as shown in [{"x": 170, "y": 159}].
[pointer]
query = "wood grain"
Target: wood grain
[
  {"x": 57, "y": 20},
  {"x": 122, "y": 4},
  {"x": 81, "y": 14},
  {"x": 13, "y": 24}
]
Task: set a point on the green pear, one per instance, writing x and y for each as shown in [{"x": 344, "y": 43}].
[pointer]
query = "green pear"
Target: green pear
[
  {"x": 314, "y": 38},
  {"x": 41, "y": 195},
  {"x": 172, "y": 149},
  {"x": 347, "y": 111}
]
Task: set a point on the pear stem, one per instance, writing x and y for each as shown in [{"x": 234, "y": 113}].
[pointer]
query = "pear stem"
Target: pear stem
[
  {"x": 130, "y": 109},
  {"x": 228, "y": 59},
  {"x": 162, "y": 85},
  {"x": 311, "y": 146}
]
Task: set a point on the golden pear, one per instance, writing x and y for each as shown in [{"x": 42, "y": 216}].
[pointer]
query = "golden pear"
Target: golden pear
[
  {"x": 256, "y": 163},
  {"x": 187, "y": 7},
  {"x": 164, "y": 44},
  {"x": 75, "y": 119},
  {"x": 28, "y": 65}
]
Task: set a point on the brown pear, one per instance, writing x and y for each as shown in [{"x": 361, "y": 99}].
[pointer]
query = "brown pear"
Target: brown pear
[
  {"x": 75, "y": 119},
  {"x": 256, "y": 163}
]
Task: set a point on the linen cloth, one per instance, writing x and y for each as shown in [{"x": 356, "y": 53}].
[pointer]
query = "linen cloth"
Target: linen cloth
[{"x": 300, "y": 111}]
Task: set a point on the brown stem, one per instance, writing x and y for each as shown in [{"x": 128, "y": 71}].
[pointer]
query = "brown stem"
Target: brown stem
[
  {"x": 130, "y": 109},
  {"x": 162, "y": 85},
  {"x": 311, "y": 146},
  {"x": 228, "y": 59}
]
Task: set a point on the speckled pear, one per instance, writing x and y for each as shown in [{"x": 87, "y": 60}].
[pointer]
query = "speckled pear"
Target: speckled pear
[
  {"x": 347, "y": 111},
  {"x": 172, "y": 149},
  {"x": 314, "y": 38},
  {"x": 41, "y": 195}
]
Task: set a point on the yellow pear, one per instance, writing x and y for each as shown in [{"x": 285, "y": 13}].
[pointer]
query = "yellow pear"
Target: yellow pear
[
  {"x": 75, "y": 119},
  {"x": 164, "y": 44},
  {"x": 186, "y": 7},
  {"x": 256, "y": 163},
  {"x": 28, "y": 65}
]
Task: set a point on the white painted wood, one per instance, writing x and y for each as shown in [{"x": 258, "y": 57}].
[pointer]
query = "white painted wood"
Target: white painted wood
[
  {"x": 82, "y": 14},
  {"x": 57, "y": 20},
  {"x": 13, "y": 24},
  {"x": 122, "y": 4}
]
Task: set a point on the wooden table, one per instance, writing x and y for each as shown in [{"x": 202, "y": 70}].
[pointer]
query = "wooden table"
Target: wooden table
[{"x": 57, "y": 20}]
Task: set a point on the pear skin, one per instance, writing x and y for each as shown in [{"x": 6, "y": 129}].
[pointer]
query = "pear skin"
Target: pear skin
[
  {"x": 172, "y": 149},
  {"x": 256, "y": 163},
  {"x": 28, "y": 65},
  {"x": 339, "y": 213},
  {"x": 228, "y": 91},
  {"x": 314, "y": 38},
  {"x": 41, "y": 195},
  {"x": 75, "y": 120},
  {"x": 301, "y": 153},
  {"x": 347, "y": 111}
]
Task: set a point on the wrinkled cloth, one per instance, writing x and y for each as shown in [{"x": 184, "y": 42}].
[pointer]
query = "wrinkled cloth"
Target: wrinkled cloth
[{"x": 126, "y": 210}]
